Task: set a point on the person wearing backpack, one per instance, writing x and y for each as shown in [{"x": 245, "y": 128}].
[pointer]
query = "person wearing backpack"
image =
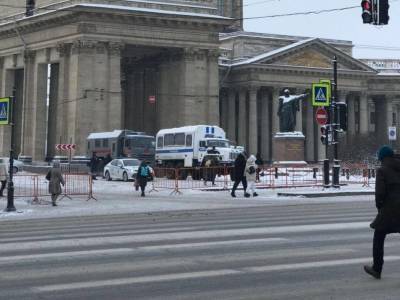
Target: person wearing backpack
[
  {"x": 251, "y": 174},
  {"x": 142, "y": 176}
]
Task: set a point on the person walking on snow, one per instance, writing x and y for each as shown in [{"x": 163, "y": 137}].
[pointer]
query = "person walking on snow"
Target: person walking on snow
[
  {"x": 387, "y": 200},
  {"x": 251, "y": 176},
  {"x": 239, "y": 174},
  {"x": 55, "y": 180},
  {"x": 143, "y": 175}
]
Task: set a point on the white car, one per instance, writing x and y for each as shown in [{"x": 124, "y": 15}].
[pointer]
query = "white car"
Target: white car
[
  {"x": 17, "y": 164},
  {"x": 123, "y": 169}
]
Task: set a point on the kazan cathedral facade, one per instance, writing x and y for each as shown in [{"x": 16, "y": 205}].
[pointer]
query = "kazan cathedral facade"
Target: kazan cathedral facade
[{"x": 82, "y": 66}]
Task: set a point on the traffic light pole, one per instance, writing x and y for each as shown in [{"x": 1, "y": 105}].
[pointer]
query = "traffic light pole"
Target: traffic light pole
[
  {"x": 335, "y": 127},
  {"x": 10, "y": 186}
]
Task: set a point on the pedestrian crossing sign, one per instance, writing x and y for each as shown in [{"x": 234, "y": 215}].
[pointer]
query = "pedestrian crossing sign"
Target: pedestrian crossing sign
[
  {"x": 4, "y": 111},
  {"x": 321, "y": 93}
]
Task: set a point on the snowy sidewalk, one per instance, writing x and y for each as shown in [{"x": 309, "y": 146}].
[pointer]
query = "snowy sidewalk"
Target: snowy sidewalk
[{"x": 120, "y": 197}]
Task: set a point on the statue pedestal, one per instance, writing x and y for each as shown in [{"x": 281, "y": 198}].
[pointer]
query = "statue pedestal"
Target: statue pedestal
[{"x": 288, "y": 149}]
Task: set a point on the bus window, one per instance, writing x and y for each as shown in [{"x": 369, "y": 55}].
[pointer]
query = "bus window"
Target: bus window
[
  {"x": 88, "y": 145},
  {"x": 113, "y": 148},
  {"x": 105, "y": 143},
  {"x": 127, "y": 143},
  {"x": 169, "y": 140},
  {"x": 160, "y": 142},
  {"x": 180, "y": 139},
  {"x": 202, "y": 144},
  {"x": 189, "y": 140},
  {"x": 97, "y": 143}
]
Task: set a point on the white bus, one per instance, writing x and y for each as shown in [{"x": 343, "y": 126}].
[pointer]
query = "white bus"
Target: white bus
[{"x": 186, "y": 146}]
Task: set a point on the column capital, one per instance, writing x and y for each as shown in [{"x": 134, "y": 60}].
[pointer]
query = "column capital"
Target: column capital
[
  {"x": 63, "y": 49},
  {"x": 115, "y": 48},
  {"x": 83, "y": 46},
  {"x": 29, "y": 55}
]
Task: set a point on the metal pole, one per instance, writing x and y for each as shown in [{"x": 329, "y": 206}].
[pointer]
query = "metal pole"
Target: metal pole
[
  {"x": 10, "y": 186},
  {"x": 335, "y": 128}
]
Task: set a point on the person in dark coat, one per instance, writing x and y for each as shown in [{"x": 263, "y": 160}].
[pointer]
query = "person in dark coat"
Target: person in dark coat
[
  {"x": 142, "y": 176},
  {"x": 239, "y": 175},
  {"x": 259, "y": 163},
  {"x": 387, "y": 200},
  {"x": 93, "y": 164},
  {"x": 55, "y": 181}
]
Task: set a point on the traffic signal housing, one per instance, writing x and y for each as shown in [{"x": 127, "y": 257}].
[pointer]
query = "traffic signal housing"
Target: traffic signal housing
[
  {"x": 367, "y": 10},
  {"x": 30, "y": 7},
  {"x": 326, "y": 134},
  {"x": 341, "y": 110},
  {"x": 383, "y": 12}
]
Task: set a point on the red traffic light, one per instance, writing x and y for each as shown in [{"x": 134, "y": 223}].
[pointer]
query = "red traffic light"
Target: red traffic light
[{"x": 366, "y": 11}]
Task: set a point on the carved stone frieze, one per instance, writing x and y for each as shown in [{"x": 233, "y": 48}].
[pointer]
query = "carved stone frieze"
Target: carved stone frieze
[{"x": 87, "y": 28}]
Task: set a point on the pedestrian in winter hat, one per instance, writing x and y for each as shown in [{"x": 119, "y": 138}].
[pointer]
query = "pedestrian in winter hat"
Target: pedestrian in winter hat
[
  {"x": 387, "y": 220},
  {"x": 385, "y": 151}
]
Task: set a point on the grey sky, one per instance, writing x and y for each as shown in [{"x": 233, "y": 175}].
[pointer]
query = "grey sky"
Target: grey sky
[{"x": 346, "y": 25}]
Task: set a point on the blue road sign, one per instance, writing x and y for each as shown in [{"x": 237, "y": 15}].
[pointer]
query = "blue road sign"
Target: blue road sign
[{"x": 4, "y": 111}]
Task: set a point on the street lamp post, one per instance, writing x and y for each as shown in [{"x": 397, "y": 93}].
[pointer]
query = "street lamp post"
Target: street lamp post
[{"x": 10, "y": 186}]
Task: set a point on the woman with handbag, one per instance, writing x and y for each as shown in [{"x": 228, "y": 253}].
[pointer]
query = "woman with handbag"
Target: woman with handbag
[{"x": 55, "y": 180}]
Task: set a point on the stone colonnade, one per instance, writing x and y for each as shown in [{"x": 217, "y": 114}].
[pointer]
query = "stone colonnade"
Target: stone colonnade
[
  {"x": 65, "y": 92},
  {"x": 249, "y": 116}
]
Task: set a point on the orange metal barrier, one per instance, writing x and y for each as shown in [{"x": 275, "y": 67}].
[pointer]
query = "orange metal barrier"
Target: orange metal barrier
[
  {"x": 220, "y": 177},
  {"x": 36, "y": 186}
]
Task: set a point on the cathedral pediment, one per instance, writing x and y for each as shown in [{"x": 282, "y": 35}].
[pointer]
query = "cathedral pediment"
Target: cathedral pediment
[
  {"x": 307, "y": 58},
  {"x": 311, "y": 53}
]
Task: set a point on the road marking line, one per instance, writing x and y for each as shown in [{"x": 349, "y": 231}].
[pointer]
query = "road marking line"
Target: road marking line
[
  {"x": 135, "y": 280},
  {"x": 183, "y": 235},
  {"x": 18, "y": 258},
  {"x": 203, "y": 274},
  {"x": 315, "y": 264},
  {"x": 216, "y": 243}
]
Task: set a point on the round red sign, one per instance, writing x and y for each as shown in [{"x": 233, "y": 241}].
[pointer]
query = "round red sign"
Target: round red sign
[{"x": 321, "y": 116}]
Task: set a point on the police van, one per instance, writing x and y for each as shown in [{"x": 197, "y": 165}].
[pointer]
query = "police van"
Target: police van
[{"x": 187, "y": 146}]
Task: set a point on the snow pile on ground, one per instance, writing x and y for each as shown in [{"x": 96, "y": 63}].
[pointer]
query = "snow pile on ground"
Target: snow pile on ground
[{"x": 115, "y": 197}]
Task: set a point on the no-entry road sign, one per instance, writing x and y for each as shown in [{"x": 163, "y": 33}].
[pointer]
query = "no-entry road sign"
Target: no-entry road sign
[{"x": 321, "y": 116}]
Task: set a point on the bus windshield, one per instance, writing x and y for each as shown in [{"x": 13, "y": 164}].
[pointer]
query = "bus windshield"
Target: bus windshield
[
  {"x": 218, "y": 143},
  {"x": 141, "y": 142}
]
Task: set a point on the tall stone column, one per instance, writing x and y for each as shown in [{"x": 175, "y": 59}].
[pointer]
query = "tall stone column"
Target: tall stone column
[
  {"x": 232, "y": 115},
  {"x": 274, "y": 117},
  {"x": 265, "y": 125},
  {"x": 364, "y": 124},
  {"x": 275, "y": 107},
  {"x": 40, "y": 112},
  {"x": 242, "y": 118},
  {"x": 212, "y": 76},
  {"x": 223, "y": 109},
  {"x": 114, "y": 96},
  {"x": 64, "y": 51},
  {"x": 7, "y": 84},
  {"x": 28, "y": 104},
  {"x": 309, "y": 134},
  {"x": 351, "y": 120},
  {"x": 253, "y": 124}
]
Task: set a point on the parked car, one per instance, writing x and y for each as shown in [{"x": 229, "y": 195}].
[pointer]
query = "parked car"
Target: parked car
[
  {"x": 123, "y": 169},
  {"x": 17, "y": 165}
]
